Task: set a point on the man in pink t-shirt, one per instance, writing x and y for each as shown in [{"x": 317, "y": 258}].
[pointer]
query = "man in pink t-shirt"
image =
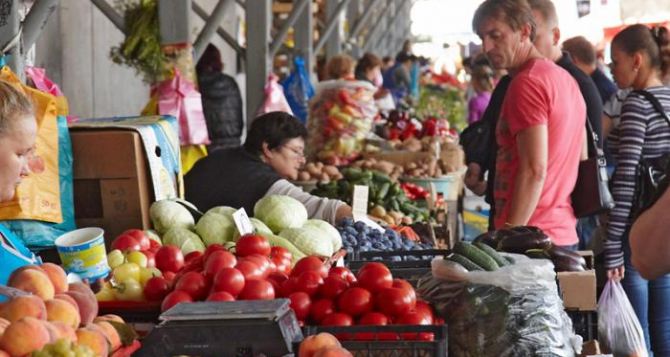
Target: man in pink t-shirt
[{"x": 540, "y": 132}]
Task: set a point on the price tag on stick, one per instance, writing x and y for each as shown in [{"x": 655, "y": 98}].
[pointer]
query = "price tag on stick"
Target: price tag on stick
[
  {"x": 360, "y": 202},
  {"x": 242, "y": 222}
]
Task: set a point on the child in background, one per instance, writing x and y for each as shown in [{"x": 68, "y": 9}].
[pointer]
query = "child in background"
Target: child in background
[{"x": 482, "y": 83}]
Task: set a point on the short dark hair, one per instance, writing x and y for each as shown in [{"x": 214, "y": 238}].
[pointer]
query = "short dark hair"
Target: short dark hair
[
  {"x": 274, "y": 129},
  {"x": 366, "y": 63},
  {"x": 581, "y": 49},
  {"x": 639, "y": 38},
  {"x": 515, "y": 13}
]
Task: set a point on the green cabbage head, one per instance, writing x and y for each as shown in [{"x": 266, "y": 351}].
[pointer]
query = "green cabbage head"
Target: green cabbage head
[
  {"x": 186, "y": 240},
  {"x": 166, "y": 214},
  {"x": 328, "y": 231},
  {"x": 215, "y": 228},
  {"x": 309, "y": 240},
  {"x": 280, "y": 212}
]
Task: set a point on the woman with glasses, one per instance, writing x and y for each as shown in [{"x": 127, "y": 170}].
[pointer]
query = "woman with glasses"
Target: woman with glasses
[{"x": 272, "y": 154}]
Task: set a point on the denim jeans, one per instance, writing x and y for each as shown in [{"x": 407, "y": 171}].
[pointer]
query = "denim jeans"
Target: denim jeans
[{"x": 651, "y": 302}]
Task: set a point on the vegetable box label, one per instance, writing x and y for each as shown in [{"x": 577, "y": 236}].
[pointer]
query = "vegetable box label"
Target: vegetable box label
[
  {"x": 360, "y": 202},
  {"x": 242, "y": 222}
]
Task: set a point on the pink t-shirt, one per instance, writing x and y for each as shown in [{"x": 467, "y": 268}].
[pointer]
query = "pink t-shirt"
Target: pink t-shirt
[{"x": 542, "y": 93}]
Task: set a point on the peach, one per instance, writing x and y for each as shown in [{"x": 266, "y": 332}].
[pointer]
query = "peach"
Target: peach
[
  {"x": 22, "y": 306},
  {"x": 333, "y": 352},
  {"x": 110, "y": 333},
  {"x": 4, "y": 354},
  {"x": 68, "y": 298},
  {"x": 64, "y": 331},
  {"x": 88, "y": 306},
  {"x": 32, "y": 280},
  {"x": 109, "y": 317},
  {"x": 94, "y": 339},
  {"x": 63, "y": 311},
  {"x": 25, "y": 336},
  {"x": 57, "y": 276},
  {"x": 314, "y": 343}
]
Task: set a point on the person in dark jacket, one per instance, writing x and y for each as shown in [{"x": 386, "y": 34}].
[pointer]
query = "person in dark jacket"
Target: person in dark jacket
[{"x": 221, "y": 101}]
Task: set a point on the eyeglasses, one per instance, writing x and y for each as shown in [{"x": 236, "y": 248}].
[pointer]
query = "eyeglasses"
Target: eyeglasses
[{"x": 299, "y": 153}]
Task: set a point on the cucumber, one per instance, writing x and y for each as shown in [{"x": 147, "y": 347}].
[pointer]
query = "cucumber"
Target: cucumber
[
  {"x": 476, "y": 255},
  {"x": 492, "y": 253},
  {"x": 465, "y": 262},
  {"x": 510, "y": 260}
]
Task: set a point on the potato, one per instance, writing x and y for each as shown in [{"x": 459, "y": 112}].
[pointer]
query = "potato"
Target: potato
[
  {"x": 397, "y": 216},
  {"x": 304, "y": 176},
  {"x": 385, "y": 167},
  {"x": 319, "y": 165},
  {"x": 406, "y": 220},
  {"x": 310, "y": 166},
  {"x": 332, "y": 171},
  {"x": 313, "y": 170},
  {"x": 388, "y": 219},
  {"x": 410, "y": 166},
  {"x": 378, "y": 211},
  {"x": 324, "y": 177}
]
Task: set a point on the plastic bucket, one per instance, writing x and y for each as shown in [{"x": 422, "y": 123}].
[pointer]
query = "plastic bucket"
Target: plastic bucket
[{"x": 82, "y": 252}]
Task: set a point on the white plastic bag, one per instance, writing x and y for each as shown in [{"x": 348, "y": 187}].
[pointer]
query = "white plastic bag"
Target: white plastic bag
[{"x": 619, "y": 329}]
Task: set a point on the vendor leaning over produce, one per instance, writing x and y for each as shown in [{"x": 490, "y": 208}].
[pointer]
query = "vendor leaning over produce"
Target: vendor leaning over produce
[
  {"x": 18, "y": 130},
  {"x": 271, "y": 155},
  {"x": 539, "y": 153}
]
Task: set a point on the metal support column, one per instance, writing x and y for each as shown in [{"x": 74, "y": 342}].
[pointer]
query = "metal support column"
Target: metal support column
[
  {"x": 211, "y": 25},
  {"x": 229, "y": 39},
  {"x": 360, "y": 25},
  {"x": 368, "y": 45},
  {"x": 111, "y": 13},
  {"x": 304, "y": 37},
  {"x": 353, "y": 14},
  {"x": 333, "y": 23},
  {"x": 174, "y": 23},
  {"x": 10, "y": 35},
  {"x": 36, "y": 19},
  {"x": 258, "y": 18}
]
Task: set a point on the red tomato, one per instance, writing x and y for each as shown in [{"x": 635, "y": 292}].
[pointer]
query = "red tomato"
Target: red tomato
[
  {"x": 278, "y": 276},
  {"x": 310, "y": 263},
  {"x": 126, "y": 243},
  {"x": 218, "y": 260},
  {"x": 394, "y": 301},
  {"x": 413, "y": 318},
  {"x": 300, "y": 303},
  {"x": 320, "y": 309},
  {"x": 220, "y": 296},
  {"x": 169, "y": 258},
  {"x": 424, "y": 308},
  {"x": 229, "y": 280},
  {"x": 337, "y": 319},
  {"x": 262, "y": 262},
  {"x": 194, "y": 283},
  {"x": 252, "y": 244},
  {"x": 288, "y": 287},
  {"x": 154, "y": 246},
  {"x": 309, "y": 282},
  {"x": 257, "y": 290},
  {"x": 404, "y": 284},
  {"x": 175, "y": 298},
  {"x": 355, "y": 301},
  {"x": 151, "y": 258},
  {"x": 283, "y": 265},
  {"x": 374, "y": 277},
  {"x": 213, "y": 248},
  {"x": 280, "y": 252},
  {"x": 373, "y": 318},
  {"x": 192, "y": 255},
  {"x": 140, "y": 236},
  {"x": 195, "y": 264},
  {"x": 343, "y": 273},
  {"x": 169, "y": 277},
  {"x": 332, "y": 287},
  {"x": 249, "y": 269},
  {"x": 156, "y": 288}
]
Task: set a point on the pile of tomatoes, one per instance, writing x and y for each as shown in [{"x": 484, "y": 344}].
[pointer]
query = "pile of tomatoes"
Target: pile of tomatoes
[{"x": 337, "y": 297}]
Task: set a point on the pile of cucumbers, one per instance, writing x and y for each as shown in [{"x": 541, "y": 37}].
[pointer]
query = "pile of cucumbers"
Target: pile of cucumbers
[{"x": 478, "y": 256}]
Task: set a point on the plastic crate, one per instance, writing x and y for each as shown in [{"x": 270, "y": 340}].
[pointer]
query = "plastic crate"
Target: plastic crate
[
  {"x": 388, "y": 341},
  {"x": 410, "y": 270}
]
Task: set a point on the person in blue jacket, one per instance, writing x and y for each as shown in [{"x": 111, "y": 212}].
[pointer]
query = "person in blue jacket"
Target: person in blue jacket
[{"x": 18, "y": 130}]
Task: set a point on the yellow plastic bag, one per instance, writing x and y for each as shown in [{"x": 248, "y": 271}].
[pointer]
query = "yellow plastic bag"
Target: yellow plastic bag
[
  {"x": 190, "y": 154},
  {"x": 38, "y": 195}
]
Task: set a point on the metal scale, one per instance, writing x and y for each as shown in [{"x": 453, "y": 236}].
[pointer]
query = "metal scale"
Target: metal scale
[{"x": 237, "y": 328}]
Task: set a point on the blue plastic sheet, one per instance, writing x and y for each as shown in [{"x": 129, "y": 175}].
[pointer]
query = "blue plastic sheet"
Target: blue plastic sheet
[{"x": 298, "y": 89}]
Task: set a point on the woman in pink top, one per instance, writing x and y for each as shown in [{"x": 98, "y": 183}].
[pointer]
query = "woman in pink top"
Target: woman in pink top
[{"x": 482, "y": 83}]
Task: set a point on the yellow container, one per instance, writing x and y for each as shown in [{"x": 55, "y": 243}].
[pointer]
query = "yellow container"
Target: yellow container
[{"x": 82, "y": 252}]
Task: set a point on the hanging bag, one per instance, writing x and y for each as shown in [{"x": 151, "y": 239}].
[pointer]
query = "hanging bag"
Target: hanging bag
[
  {"x": 591, "y": 194},
  {"x": 619, "y": 329},
  {"x": 652, "y": 174}
]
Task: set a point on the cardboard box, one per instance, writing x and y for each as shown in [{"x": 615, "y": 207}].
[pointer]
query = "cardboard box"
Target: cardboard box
[
  {"x": 112, "y": 184},
  {"x": 578, "y": 289},
  {"x": 590, "y": 348}
]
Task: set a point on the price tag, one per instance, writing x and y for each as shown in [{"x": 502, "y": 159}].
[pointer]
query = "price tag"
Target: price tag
[
  {"x": 242, "y": 222},
  {"x": 360, "y": 202}
]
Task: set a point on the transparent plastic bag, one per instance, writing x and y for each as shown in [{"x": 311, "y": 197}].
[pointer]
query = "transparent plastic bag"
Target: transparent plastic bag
[
  {"x": 513, "y": 311},
  {"x": 619, "y": 329}
]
